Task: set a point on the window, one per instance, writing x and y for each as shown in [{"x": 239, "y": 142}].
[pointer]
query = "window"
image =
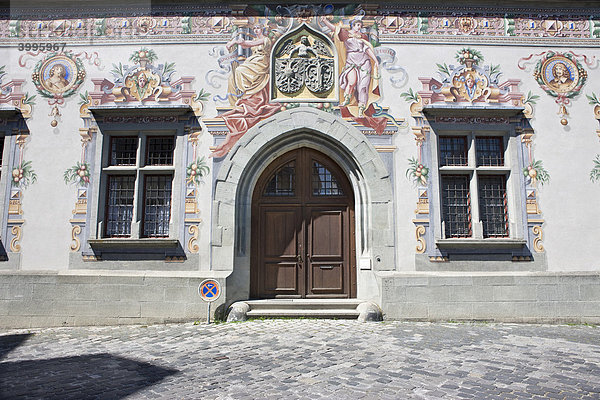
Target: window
[
  {"x": 473, "y": 175},
  {"x": 1, "y": 151},
  {"x": 139, "y": 178},
  {"x": 323, "y": 182},
  {"x": 283, "y": 182}
]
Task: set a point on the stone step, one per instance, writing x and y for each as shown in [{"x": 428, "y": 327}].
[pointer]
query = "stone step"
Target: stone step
[
  {"x": 308, "y": 304},
  {"x": 305, "y": 308},
  {"x": 303, "y": 313}
]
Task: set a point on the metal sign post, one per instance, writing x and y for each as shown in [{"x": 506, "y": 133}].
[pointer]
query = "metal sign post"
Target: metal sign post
[{"x": 209, "y": 290}]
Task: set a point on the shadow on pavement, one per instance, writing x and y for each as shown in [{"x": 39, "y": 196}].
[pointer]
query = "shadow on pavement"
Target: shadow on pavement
[
  {"x": 98, "y": 376},
  {"x": 10, "y": 342}
]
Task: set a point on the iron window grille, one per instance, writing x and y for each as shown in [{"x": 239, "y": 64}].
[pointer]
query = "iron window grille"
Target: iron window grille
[
  {"x": 283, "y": 181},
  {"x": 157, "y": 205},
  {"x": 159, "y": 150},
  {"x": 120, "y": 205},
  {"x": 473, "y": 185},
  {"x": 323, "y": 182},
  {"x": 1, "y": 151},
  {"x": 139, "y": 175},
  {"x": 493, "y": 207},
  {"x": 490, "y": 151},
  {"x": 453, "y": 151},
  {"x": 456, "y": 205},
  {"x": 123, "y": 150}
]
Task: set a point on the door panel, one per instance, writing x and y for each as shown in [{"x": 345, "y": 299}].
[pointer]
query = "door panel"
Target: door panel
[
  {"x": 326, "y": 233},
  {"x": 280, "y": 233},
  {"x": 281, "y": 240},
  {"x": 281, "y": 278},
  {"x": 327, "y": 251},
  {"x": 327, "y": 278}
]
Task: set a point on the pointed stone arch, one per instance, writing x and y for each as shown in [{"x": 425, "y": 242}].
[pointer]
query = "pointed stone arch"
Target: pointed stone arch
[{"x": 285, "y": 131}]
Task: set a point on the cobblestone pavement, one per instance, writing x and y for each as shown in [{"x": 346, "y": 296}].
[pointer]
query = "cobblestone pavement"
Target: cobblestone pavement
[{"x": 303, "y": 359}]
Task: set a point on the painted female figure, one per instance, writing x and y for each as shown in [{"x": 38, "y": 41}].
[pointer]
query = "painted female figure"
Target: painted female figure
[
  {"x": 56, "y": 81},
  {"x": 253, "y": 74},
  {"x": 359, "y": 77},
  {"x": 248, "y": 89}
]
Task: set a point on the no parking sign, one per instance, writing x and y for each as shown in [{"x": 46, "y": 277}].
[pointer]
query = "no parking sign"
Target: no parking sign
[{"x": 209, "y": 291}]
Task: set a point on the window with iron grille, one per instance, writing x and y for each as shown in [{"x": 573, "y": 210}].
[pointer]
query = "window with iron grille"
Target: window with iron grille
[
  {"x": 324, "y": 183},
  {"x": 456, "y": 205},
  {"x": 157, "y": 205},
  {"x": 1, "y": 151},
  {"x": 123, "y": 150},
  {"x": 453, "y": 150},
  {"x": 139, "y": 178},
  {"x": 283, "y": 182},
  {"x": 473, "y": 176},
  {"x": 490, "y": 151},
  {"x": 160, "y": 150},
  {"x": 493, "y": 208},
  {"x": 120, "y": 205}
]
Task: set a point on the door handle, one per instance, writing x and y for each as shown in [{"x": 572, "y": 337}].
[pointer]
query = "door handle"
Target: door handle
[{"x": 299, "y": 260}]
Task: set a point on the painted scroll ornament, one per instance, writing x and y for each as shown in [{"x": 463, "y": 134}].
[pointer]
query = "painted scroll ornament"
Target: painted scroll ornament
[
  {"x": 56, "y": 77},
  {"x": 144, "y": 81}
]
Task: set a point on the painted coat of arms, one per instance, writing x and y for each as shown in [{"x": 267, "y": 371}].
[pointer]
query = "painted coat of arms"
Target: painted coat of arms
[{"x": 304, "y": 67}]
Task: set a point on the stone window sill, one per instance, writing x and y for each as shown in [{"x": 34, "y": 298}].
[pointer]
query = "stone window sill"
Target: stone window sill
[
  {"x": 111, "y": 243},
  {"x": 504, "y": 243}
]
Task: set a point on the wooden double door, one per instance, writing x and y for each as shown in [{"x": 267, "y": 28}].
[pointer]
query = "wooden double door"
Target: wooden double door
[{"x": 303, "y": 230}]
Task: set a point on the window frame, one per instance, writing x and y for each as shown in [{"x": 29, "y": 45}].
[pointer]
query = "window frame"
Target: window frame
[
  {"x": 8, "y": 156},
  {"x": 141, "y": 169},
  {"x": 515, "y": 190}
]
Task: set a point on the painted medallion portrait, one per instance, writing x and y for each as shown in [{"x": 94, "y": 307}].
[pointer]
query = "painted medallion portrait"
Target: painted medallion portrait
[
  {"x": 58, "y": 75},
  {"x": 560, "y": 74}
]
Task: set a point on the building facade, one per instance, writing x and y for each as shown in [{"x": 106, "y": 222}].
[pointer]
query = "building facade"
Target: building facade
[{"x": 439, "y": 161}]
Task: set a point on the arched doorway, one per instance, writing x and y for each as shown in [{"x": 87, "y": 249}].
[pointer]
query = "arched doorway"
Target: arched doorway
[{"x": 303, "y": 229}]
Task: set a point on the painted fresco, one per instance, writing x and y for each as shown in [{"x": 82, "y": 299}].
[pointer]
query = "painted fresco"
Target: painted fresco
[
  {"x": 56, "y": 77},
  {"x": 248, "y": 83},
  {"x": 305, "y": 42},
  {"x": 595, "y": 172},
  {"x": 144, "y": 83},
  {"x": 408, "y": 21},
  {"x": 560, "y": 75},
  {"x": 462, "y": 86},
  {"x": 21, "y": 170},
  {"x": 267, "y": 59}
]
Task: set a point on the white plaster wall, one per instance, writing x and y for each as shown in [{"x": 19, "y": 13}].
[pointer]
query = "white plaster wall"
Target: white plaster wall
[
  {"x": 571, "y": 230},
  {"x": 48, "y": 204}
]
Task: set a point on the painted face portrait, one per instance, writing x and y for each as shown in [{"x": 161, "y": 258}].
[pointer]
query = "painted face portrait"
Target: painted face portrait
[
  {"x": 470, "y": 82},
  {"x": 56, "y": 81},
  {"x": 356, "y": 25},
  {"x": 561, "y": 77},
  {"x": 142, "y": 81}
]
